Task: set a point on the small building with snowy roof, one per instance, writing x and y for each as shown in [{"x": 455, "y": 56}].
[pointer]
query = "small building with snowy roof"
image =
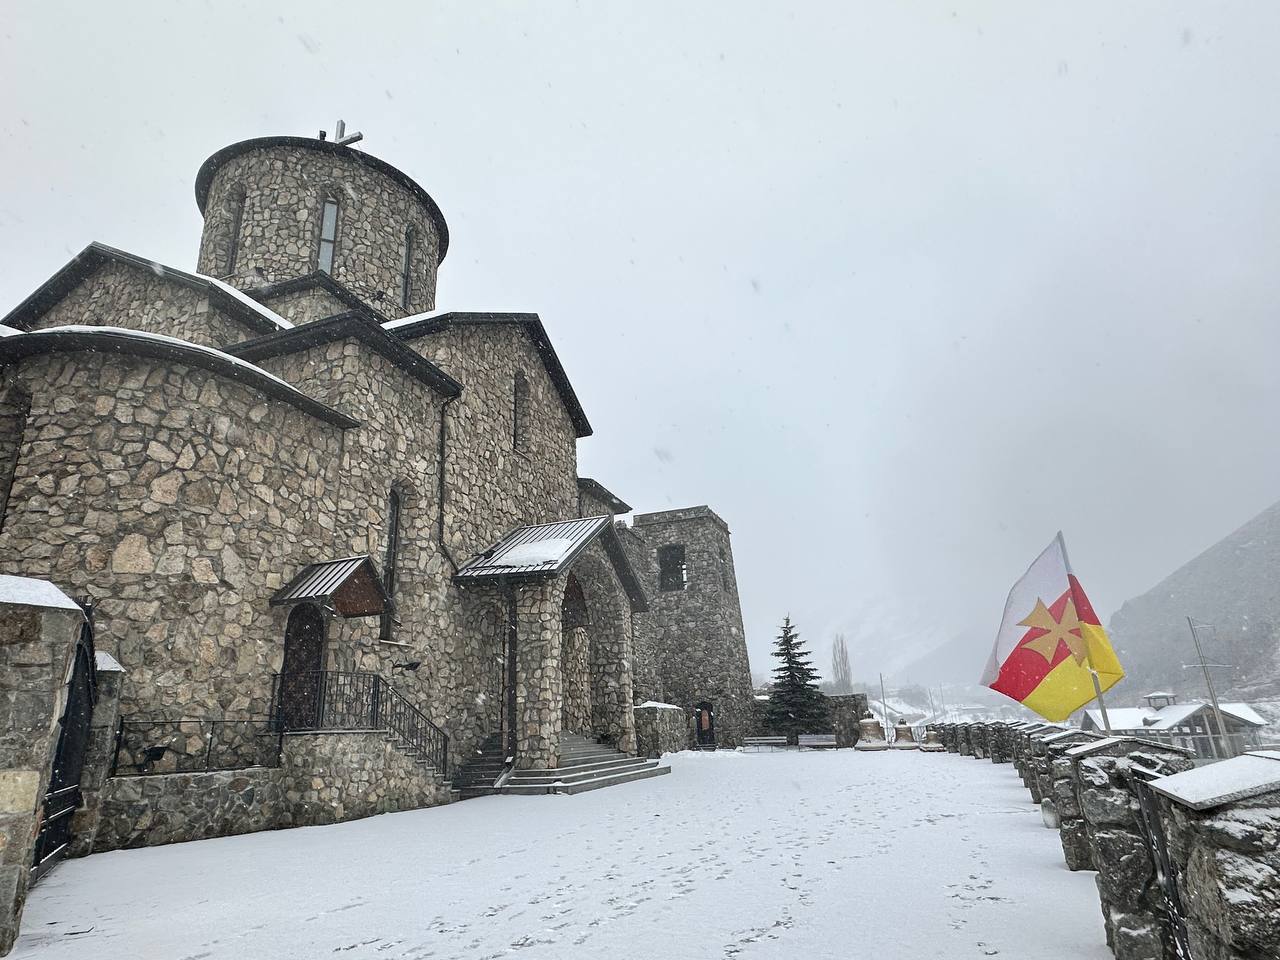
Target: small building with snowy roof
[{"x": 1192, "y": 724}]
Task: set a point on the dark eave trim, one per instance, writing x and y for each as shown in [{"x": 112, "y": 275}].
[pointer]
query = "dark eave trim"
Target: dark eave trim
[
  {"x": 594, "y": 488},
  {"x": 309, "y": 281},
  {"x": 357, "y": 324},
  {"x": 209, "y": 169},
  {"x": 84, "y": 263},
  {"x": 533, "y": 328},
  {"x": 129, "y": 343}
]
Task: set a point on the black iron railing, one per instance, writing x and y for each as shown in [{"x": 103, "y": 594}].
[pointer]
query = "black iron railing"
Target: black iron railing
[
  {"x": 155, "y": 746},
  {"x": 338, "y": 700}
]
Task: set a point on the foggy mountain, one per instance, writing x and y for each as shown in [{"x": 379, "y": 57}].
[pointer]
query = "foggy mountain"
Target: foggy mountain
[{"x": 1234, "y": 587}]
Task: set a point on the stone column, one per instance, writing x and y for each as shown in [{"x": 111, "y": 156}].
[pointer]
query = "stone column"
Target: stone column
[
  {"x": 539, "y": 685},
  {"x": 1133, "y": 911},
  {"x": 611, "y": 696},
  {"x": 37, "y": 650},
  {"x": 100, "y": 753},
  {"x": 1226, "y": 856}
]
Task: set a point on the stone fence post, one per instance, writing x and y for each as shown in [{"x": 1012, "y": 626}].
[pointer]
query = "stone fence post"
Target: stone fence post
[
  {"x": 1222, "y": 825},
  {"x": 1133, "y": 909},
  {"x": 39, "y": 630},
  {"x": 98, "y": 756},
  {"x": 966, "y": 744},
  {"x": 1046, "y": 751}
]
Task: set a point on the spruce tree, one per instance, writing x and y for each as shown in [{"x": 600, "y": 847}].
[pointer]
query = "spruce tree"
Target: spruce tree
[{"x": 795, "y": 704}]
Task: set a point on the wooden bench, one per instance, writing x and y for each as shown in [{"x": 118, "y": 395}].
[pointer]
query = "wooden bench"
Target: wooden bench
[
  {"x": 817, "y": 741},
  {"x": 759, "y": 743}
]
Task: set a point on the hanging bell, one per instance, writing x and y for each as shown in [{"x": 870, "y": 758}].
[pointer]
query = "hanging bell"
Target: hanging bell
[
  {"x": 902, "y": 738},
  {"x": 870, "y": 735}
]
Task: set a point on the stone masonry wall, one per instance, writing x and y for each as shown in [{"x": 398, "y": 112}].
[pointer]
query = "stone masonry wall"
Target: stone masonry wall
[
  {"x": 700, "y": 645},
  {"x": 1228, "y": 870},
  {"x": 323, "y": 778},
  {"x": 284, "y": 189},
  {"x": 181, "y": 501},
  {"x": 36, "y": 650},
  {"x": 122, "y": 295},
  {"x": 1132, "y": 904},
  {"x": 661, "y": 728}
]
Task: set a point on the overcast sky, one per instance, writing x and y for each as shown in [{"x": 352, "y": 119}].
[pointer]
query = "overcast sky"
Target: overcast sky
[{"x": 899, "y": 289}]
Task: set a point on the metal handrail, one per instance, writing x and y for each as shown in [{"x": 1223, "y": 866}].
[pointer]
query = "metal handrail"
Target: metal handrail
[{"x": 356, "y": 700}]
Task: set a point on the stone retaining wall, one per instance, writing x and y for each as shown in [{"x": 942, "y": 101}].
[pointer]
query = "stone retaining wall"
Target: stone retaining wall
[
  {"x": 322, "y": 778},
  {"x": 661, "y": 728}
]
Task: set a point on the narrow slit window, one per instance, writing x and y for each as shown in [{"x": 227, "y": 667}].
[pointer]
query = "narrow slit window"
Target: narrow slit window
[
  {"x": 15, "y": 408},
  {"x": 328, "y": 234},
  {"x": 236, "y": 221},
  {"x": 406, "y": 281},
  {"x": 673, "y": 571},
  {"x": 519, "y": 412},
  {"x": 391, "y": 558}
]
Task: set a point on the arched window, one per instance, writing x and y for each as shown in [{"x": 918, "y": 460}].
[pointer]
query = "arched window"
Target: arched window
[
  {"x": 406, "y": 281},
  {"x": 520, "y": 413},
  {"x": 328, "y": 233},
  {"x": 235, "y": 220},
  {"x": 389, "y": 561}
]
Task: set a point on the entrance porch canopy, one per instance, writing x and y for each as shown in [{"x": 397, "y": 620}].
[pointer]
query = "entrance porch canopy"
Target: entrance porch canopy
[
  {"x": 351, "y": 586},
  {"x": 542, "y": 551}
]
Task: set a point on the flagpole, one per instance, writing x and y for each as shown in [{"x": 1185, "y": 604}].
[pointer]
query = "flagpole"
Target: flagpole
[
  {"x": 1093, "y": 674},
  {"x": 884, "y": 707}
]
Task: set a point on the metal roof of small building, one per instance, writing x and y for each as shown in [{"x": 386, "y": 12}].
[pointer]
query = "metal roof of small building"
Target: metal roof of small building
[{"x": 352, "y": 584}]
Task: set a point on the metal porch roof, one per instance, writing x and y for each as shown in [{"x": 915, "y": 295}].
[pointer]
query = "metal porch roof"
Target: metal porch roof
[
  {"x": 536, "y": 551},
  {"x": 352, "y": 583}
]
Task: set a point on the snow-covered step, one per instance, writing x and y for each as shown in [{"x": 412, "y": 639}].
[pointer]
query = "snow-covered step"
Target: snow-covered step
[{"x": 643, "y": 771}]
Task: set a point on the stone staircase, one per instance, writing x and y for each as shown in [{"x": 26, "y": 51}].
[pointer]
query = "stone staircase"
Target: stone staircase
[{"x": 584, "y": 765}]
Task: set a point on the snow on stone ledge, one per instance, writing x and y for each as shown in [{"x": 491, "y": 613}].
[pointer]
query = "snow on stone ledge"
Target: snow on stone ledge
[
  {"x": 28, "y": 591},
  {"x": 659, "y": 706},
  {"x": 105, "y": 662},
  {"x": 1217, "y": 783},
  {"x": 531, "y": 554},
  {"x": 262, "y": 311},
  {"x": 162, "y": 338}
]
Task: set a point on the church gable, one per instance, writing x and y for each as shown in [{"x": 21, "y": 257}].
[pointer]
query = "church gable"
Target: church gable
[{"x": 103, "y": 286}]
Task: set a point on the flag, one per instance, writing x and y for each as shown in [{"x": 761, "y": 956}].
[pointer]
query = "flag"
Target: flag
[{"x": 1049, "y": 640}]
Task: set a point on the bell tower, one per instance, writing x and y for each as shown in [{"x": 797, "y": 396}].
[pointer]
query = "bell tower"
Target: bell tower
[{"x": 278, "y": 210}]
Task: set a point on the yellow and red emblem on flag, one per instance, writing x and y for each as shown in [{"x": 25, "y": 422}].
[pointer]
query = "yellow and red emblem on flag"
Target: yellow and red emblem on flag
[{"x": 1050, "y": 642}]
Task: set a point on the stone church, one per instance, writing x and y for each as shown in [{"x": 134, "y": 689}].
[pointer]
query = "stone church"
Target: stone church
[{"x": 337, "y": 553}]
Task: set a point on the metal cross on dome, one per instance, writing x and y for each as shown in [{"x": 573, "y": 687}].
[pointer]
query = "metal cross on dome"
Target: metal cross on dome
[{"x": 340, "y": 135}]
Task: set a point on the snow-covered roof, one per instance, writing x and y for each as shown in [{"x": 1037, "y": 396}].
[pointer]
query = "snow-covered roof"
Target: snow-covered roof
[
  {"x": 659, "y": 706},
  {"x": 30, "y": 592},
  {"x": 1139, "y": 719},
  {"x": 121, "y": 340},
  {"x": 265, "y": 312},
  {"x": 1214, "y": 784},
  {"x": 88, "y": 260},
  {"x": 9, "y": 331}
]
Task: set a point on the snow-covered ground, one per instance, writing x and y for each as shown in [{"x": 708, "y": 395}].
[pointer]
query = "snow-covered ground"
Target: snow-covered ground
[{"x": 782, "y": 855}]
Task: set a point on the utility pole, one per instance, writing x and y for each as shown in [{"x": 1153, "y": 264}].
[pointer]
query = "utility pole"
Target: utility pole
[
  {"x": 1222, "y": 740},
  {"x": 884, "y": 704}
]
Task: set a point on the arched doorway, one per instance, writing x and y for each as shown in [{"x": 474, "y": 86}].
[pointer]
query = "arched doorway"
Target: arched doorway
[
  {"x": 301, "y": 676},
  {"x": 704, "y": 722},
  {"x": 575, "y": 657}
]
